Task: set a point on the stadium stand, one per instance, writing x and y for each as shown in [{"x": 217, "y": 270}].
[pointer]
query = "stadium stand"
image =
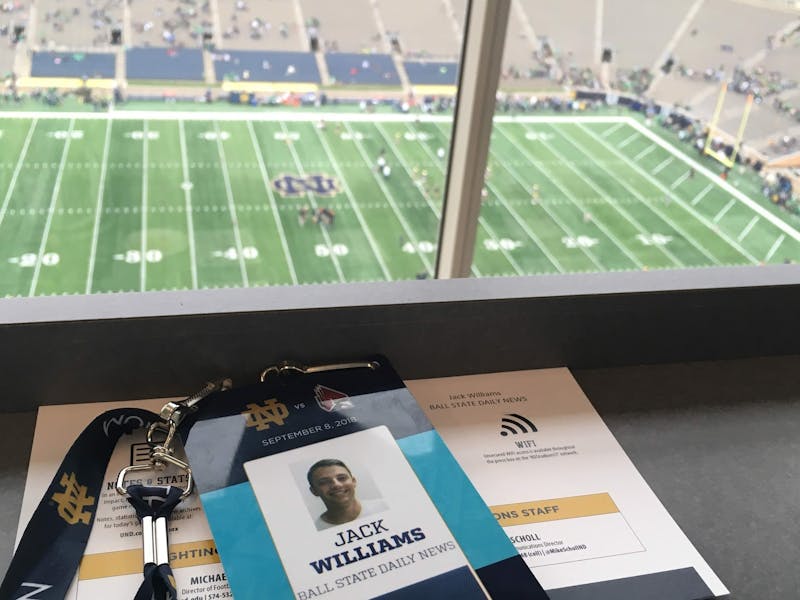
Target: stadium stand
[
  {"x": 568, "y": 24},
  {"x": 164, "y": 64},
  {"x": 261, "y": 25},
  {"x": 253, "y": 65},
  {"x": 431, "y": 73},
  {"x": 169, "y": 22},
  {"x": 350, "y": 30},
  {"x": 403, "y": 25},
  {"x": 73, "y": 64},
  {"x": 76, "y": 23},
  {"x": 362, "y": 69}
]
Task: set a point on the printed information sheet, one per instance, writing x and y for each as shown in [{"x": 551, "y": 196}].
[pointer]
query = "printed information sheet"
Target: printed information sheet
[
  {"x": 112, "y": 564},
  {"x": 563, "y": 489}
]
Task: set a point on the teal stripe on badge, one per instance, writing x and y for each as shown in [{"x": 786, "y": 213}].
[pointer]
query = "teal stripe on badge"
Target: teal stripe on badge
[
  {"x": 249, "y": 556},
  {"x": 475, "y": 528}
]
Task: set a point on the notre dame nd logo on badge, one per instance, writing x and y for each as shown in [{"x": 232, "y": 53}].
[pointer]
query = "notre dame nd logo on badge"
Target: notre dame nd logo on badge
[
  {"x": 260, "y": 416},
  {"x": 73, "y": 501},
  {"x": 319, "y": 184}
]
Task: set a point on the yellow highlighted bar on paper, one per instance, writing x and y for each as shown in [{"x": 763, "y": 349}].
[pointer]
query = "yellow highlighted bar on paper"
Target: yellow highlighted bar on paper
[
  {"x": 129, "y": 562},
  {"x": 540, "y": 511}
]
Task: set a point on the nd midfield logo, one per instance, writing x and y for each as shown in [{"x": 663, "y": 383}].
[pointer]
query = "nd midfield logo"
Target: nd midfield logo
[
  {"x": 318, "y": 183},
  {"x": 515, "y": 424}
]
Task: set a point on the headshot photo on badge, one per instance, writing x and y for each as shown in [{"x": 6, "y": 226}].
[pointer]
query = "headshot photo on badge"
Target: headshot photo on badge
[{"x": 332, "y": 481}]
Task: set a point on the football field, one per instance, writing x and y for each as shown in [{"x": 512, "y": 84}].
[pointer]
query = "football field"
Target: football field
[{"x": 135, "y": 201}]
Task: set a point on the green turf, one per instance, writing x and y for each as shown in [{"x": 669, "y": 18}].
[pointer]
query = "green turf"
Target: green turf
[{"x": 86, "y": 205}]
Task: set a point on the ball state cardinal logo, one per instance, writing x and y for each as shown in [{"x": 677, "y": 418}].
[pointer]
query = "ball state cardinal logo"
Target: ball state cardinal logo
[{"x": 329, "y": 400}]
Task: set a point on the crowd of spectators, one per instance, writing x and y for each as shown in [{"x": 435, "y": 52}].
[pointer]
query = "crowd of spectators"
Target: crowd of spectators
[
  {"x": 184, "y": 26},
  {"x": 244, "y": 24},
  {"x": 633, "y": 81},
  {"x": 10, "y": 12},
  {"x": 95, "y": 18},
  {"x": 760, "y": 82}
]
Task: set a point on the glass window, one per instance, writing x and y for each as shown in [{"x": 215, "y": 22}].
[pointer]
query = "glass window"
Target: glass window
[
  {"x": 235, "y": 143},
  {"x": 647, "y": 147}
]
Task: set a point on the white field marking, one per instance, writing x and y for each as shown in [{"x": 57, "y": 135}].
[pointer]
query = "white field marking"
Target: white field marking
[
  {"x": 611, "y": 130},
  {"x": 555, "y": 219},
  {"x": 292, "y": 136},
  {"x": 747, "y": 229},
  {"x": 679, "y": 180},
  {"x": 581, "y": 148},
  {"x": 396, "y": 152},
  {"x": 662, "y": 165},
  {"x": 653, "y": 207},
  {"x": 763, "y": 212},
  {"x": 274, "y": 205},
  {"x": 644, "y": 152},
  {"x": 187, "y": 198},
  {"x": 386, "y": 192},
  {"x": 237, "y": 234},
  {"x": 300, "y": 117},
  {"x": 98, "y": 209},
  {"x": 700, "y": 196},
  {"x": 12, "y": 184},
  {"x": 492, "y": 234},
  {"x": 627, "y": 141},
  {"x": 725, "y": 209},
  {"x": 299, "y": 166},
  {"x": 678, "y": 199},
  {"x": 51, "y": 211},
  {"x": 145, "y": 175},
  {"x": 774, "y": 247},
  {"x": 475, "y": 271}
]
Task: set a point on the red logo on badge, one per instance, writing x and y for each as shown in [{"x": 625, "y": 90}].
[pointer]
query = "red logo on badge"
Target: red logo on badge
[{"x": 329, "y": 400}]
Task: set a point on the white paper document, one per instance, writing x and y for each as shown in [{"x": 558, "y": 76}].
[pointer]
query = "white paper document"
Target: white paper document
[
  {"x": 562, "y": 487},
  {"x": 112, "y": 564}
]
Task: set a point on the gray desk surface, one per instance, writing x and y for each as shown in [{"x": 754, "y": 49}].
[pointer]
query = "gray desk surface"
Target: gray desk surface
[{"x": 719, "y": 443}]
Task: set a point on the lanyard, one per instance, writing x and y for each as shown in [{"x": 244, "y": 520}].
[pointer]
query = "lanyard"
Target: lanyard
[{"x": 54, "y": 541}]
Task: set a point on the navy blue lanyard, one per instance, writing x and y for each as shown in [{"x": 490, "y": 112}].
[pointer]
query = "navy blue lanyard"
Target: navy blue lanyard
[{"x": 52, "y": 546}]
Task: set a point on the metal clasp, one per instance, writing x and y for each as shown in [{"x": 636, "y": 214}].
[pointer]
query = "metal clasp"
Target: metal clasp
[
  {"x": 162, "y": 451},
  {"x": 288, "y": 367}
]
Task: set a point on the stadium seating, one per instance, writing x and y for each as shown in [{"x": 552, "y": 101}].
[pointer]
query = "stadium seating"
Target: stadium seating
[
  {"x": 259, "y": 25},
  {"x": 73, "y": 64},
  {"x": 253, "y": 65},
  {"x": 350, "y": 29},
  {"x": 362, "y": 69},
  {"x": 431, "y": 72},
  {"x": 165, "y": 63},
  {"x": 415, "y": 40}
]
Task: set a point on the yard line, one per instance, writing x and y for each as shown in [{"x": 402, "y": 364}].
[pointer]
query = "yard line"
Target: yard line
[
  {"x": 628, "y": 217},
  {"x": 725, "y": 185},
  {"x": 663, "y": 164},
  {"x": 679, "y": 180},
  {"x": 12, "y": 184},
  {"x": 645, "y": 152},
  {"x": 278, "y": 223},
  {"x": 699, "y": 196},
  {"x": 725, "y": 209},
  {"x": 627, "y": 141},
  {"x": 662, "y": 215},
  {"x": 484, "y": 223},
  {"x": 143, "y": 261},
  {"x": 51, "y": 211},
  {"x": 312, "y": 200},
  {"x": 747, "y": 229},
  {"x": 774, "y": 247},
  {"x": 98, "y": 208},
  {"x": 677, "y": 198},
  {"x": 187, "y": 197},
  {"x": 423, "y": 193},
  {"x": 555, "y": 182},
  {"x": 354, "y": 203},
  {"x": 611, "y": 130},
  {"x": 237, "y": 234}
]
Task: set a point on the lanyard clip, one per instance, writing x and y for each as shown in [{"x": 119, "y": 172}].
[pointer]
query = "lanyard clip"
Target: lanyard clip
[
  {"x": 162, "y": 451},
  {"x": 288, "y": 367}
]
